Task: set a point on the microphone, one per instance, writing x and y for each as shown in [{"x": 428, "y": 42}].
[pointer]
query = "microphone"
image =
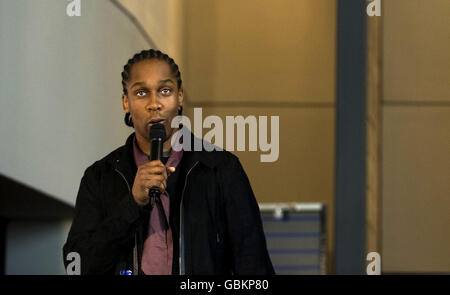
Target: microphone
[{"x": 157, "y": 139}]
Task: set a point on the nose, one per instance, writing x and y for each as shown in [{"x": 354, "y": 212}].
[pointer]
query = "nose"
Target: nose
[{"x": 153, "y": 103}]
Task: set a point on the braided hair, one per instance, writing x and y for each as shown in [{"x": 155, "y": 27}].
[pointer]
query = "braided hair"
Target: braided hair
[{"x": 147, "y": 55}]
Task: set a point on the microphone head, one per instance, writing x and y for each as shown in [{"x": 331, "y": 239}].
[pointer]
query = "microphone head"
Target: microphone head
[{"x": 157, "y": 131}]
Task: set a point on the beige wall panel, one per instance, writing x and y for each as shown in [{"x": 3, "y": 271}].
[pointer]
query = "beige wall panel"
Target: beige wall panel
[
  {"x": 415, "y": 189},
  {"x": 260, "y": 51},
  {"x": 304, "y": 170},
  {"x": 416, "y": 50},
  {"x": 162, "y": 21},
  {"x": 153, "y": 15}
]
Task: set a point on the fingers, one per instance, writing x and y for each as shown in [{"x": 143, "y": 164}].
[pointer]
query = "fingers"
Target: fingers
[
  {"x": 163, "y": 186},
  {"x": 157, "y": 164},
  {"x": 145, "y": 174},
  {"x": 151, "y": 164},
  {"x": 155, "y": 168},
  {"x": 159, "y": 183},
  {"x": 153, "y": 174}
]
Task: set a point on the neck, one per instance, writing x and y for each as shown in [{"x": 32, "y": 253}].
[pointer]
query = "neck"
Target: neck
[{"x": 144, "y": 144}]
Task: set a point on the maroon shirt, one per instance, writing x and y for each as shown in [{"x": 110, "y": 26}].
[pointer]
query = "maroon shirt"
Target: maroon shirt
[{"x": 157, "y": 255}]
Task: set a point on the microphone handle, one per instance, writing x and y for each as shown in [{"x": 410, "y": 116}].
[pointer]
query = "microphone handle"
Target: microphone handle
[
  {"x": 154, "y": 194},
  {"x": 156, "y": 150}
]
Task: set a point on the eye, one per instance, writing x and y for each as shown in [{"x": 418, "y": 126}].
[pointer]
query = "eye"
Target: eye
[
  {"x": 166, "y": 91},
  {"x": 138, "y": 93}
]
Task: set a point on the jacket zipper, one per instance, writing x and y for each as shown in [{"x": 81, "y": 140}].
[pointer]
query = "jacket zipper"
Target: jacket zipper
[
  {"x": 135, "y": 262},
  {"x": 181, "y": 242},
  {"x": 181, "y": 239}
]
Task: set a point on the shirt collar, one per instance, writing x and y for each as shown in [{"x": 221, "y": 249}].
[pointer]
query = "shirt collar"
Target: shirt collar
[{"x": 141, "y": 158}]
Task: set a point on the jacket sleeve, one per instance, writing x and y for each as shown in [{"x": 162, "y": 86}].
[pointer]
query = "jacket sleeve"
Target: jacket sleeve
[
  {"x": 100, "y": 239},
  {"x": 244, "y": 225}
]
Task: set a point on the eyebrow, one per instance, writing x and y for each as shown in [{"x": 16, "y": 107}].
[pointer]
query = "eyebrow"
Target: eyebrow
[
  {"x": 160, "y": 82},
  {"x": 165, "y": 81}
]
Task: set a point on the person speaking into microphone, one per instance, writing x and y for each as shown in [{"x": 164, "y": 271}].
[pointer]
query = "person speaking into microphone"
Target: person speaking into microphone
[{"x": 149, "y": 209}]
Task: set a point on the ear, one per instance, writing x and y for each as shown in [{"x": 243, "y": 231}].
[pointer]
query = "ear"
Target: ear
[
  {"x": 180, "y": 97},
  {"x": 125, "y": 105}
]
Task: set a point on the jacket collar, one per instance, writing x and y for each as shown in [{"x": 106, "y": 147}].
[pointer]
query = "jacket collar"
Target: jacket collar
[
  {"x": 125, "y": 163},
  {"x": 204, "y": 157}
]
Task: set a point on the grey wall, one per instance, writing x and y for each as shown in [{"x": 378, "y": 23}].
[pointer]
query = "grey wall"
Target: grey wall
[
  {"x": 61, "y": 89},
  {"x": 60, "y": 103}
]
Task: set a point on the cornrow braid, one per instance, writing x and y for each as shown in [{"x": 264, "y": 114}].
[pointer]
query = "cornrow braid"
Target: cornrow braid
[{"x": 149, "y": 54}]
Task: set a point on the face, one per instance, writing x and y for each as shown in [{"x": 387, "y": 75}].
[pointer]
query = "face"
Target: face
[{"x": 153, "y": 97}]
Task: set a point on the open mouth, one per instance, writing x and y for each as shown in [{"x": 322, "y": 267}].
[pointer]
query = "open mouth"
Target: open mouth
[{"x": 156, "y": 121}]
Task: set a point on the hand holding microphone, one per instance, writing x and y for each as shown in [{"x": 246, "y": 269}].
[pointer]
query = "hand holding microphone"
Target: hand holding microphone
[{"x": 151, "y": 178}]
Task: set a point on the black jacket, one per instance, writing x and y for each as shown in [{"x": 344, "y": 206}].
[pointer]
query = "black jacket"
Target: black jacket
[{"x": 221, "y": 229}]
